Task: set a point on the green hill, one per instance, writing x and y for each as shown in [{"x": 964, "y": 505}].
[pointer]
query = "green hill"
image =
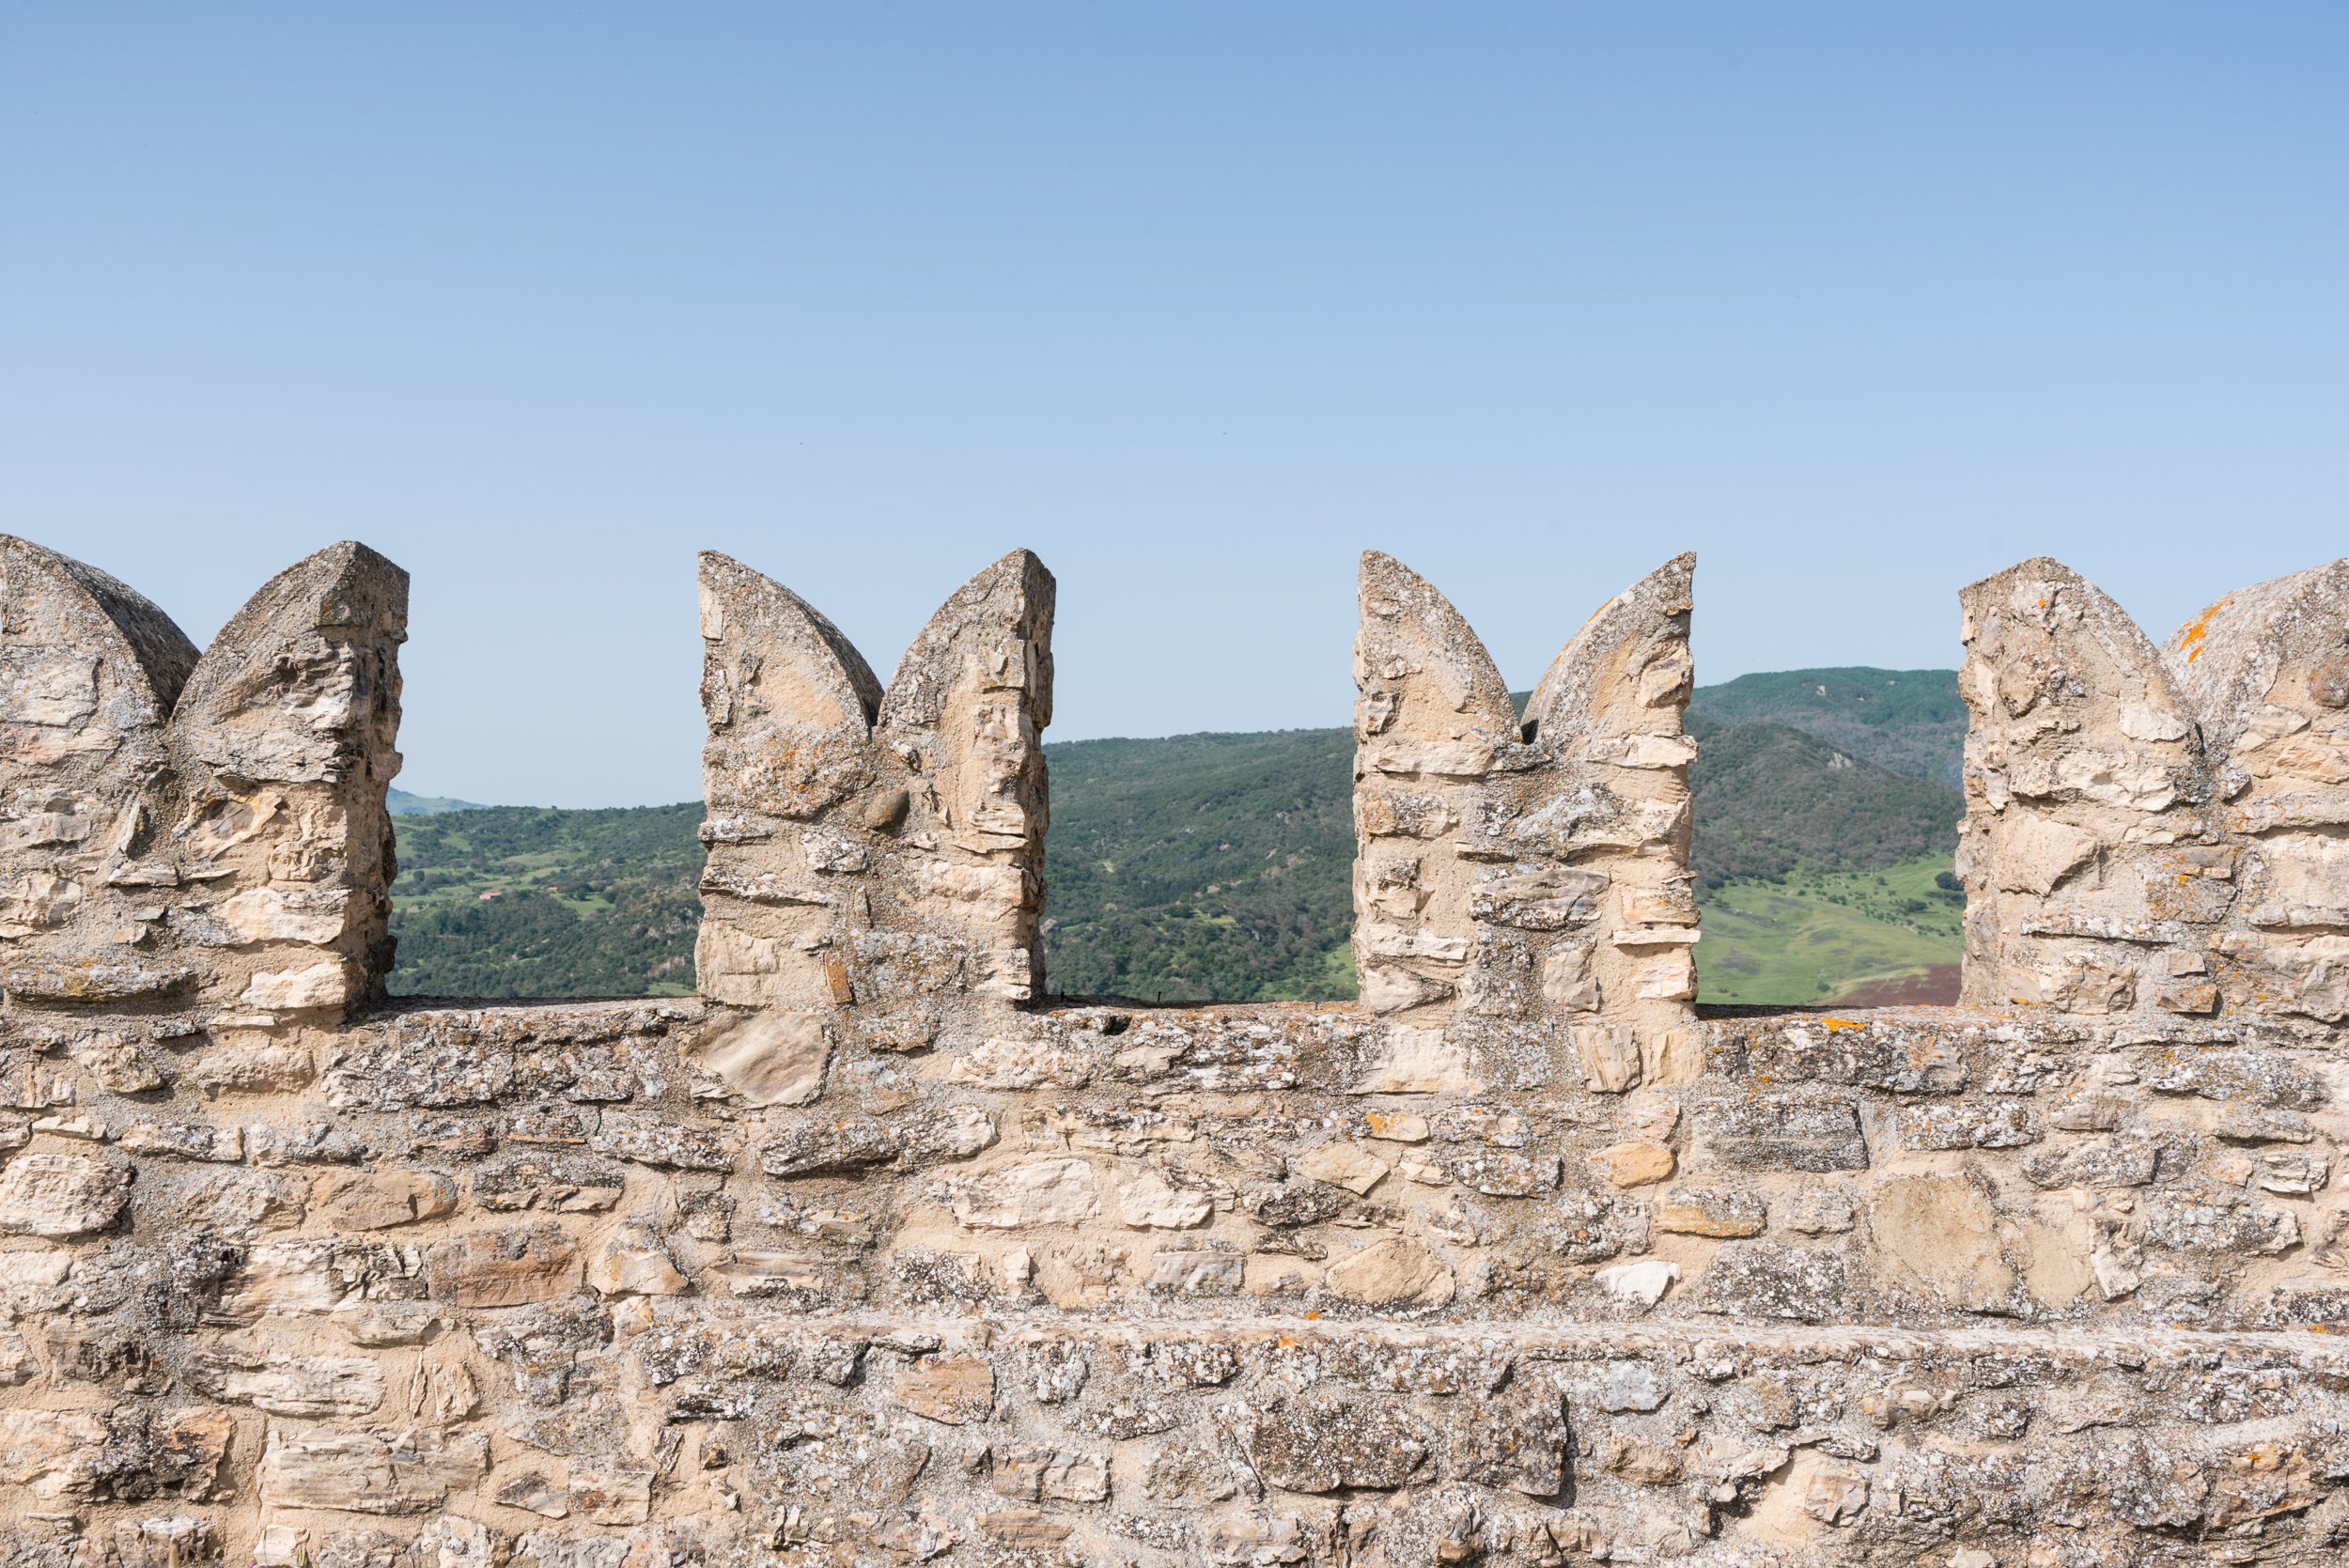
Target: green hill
[
  {"x": 1908, "y": 722},
  {"x": 1770, "y": 798},
  {"x": 504, "y": 901},
  {"x": 1817, "y": 935},
  {"x": 1218, "y": 866},
  {"x": 1202, "y": 865}
]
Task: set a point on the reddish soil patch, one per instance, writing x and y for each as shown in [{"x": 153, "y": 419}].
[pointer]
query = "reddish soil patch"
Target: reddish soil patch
[{"x": 1936, "y": 987}]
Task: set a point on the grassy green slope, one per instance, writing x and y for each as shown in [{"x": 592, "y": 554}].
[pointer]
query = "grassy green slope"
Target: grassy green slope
[
  {"x": 1821, "y": 934},
  {"x": 1815, "y": 872}
]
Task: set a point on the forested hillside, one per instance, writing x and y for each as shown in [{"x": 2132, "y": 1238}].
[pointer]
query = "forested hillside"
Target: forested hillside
[
  {"x": 1219, "y": 865},
  {"x": 1908, "y": 722},
  {"x": 1770, "y": 798},
  {"x": 503, "y": 901},
  {"x": 1202, "y": 865}
]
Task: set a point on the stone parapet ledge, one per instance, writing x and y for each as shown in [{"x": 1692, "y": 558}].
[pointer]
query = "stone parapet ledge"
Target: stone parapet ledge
[{"x": 529, "y": 1283}]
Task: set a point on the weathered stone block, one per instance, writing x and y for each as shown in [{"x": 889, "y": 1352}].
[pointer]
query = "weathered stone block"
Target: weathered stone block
[
  {"x": 1784, "y": 1134},
  {"x": 1711, "y": 1212},
  {"x": 505, "y": 1268},
  {"x": 1041, "y": 1192},
  {"x": 1322, "y": 1443},
  {"x": 61, "y": 1195},
  {"x": 954, "y": 1390},
  {"x": 288, "y": 1385},
  {"x": 369, "y": 1472}
]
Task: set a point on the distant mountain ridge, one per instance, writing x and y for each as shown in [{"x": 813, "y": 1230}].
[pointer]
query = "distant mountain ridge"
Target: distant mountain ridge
[
  {"x": 1219, "y": 865},
  {"x": 400, "y": 803}
]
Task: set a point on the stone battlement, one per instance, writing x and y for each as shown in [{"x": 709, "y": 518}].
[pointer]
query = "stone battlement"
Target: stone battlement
[{"x": 878, "y": 1252}]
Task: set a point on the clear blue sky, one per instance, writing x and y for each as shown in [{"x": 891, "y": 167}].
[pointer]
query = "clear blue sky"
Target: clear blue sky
[{"x": 1197, "y": 300}]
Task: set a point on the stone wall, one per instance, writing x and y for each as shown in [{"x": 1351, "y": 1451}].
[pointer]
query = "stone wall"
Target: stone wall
[{"x": 877, "y": 1252}]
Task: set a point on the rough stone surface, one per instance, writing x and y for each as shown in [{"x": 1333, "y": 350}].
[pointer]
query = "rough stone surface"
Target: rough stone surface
[
  {"x": 1535, "y": 871},
  {"x": 877, "y": 1261},
  {"x": 868, "y": 844},
  {"x": 213, "y": 825}
]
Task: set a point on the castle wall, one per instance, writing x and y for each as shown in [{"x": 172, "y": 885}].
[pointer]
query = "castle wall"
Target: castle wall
[{"x": 877, "y": 1254}]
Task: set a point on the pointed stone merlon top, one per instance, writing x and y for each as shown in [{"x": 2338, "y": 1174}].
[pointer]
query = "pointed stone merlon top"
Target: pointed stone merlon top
[
  {"x": 207, "y": 827},
  {"x": 1527, "y": 879},
  {"x": 2265, "y": 671},
  {"x": 875, "y": 856},
  {"x": 2156, "y": 830}
]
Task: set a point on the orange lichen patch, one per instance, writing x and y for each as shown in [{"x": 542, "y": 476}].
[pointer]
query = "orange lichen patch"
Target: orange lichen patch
[
  {"x": 1836, "y": 1025},
  {"x": 2191, "y": 634}
]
